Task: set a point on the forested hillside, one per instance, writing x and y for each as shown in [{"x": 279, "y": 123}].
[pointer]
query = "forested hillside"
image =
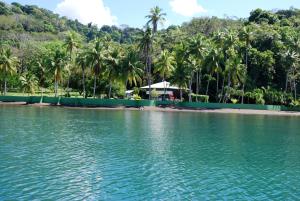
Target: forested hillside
[{"x": 225, "y": 59}]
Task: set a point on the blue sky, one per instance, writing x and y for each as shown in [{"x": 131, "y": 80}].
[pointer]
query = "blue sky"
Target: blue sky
[{"x": 132, "y": 12}]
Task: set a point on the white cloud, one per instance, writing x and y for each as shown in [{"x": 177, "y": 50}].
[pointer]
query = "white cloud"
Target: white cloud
[
  {"x": 187, "y": 8},
  {"x": 86, "y": 11}
]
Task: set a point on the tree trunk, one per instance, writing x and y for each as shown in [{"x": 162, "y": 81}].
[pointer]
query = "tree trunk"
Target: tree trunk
[
  {"x": 83, "y": 83},
  {"x": 197, "y": 86},
  {"x": 154, "y": 27},
  {"x": 148, "y": 67},
  {"x": 149, "y": 76},
  {"x": 286, "y": 82},
  {"x": 109, "y": 93},
  {"x": 68, "y": 83},
  {"x": 190, "y": 88},
  {"x": 200, "y": 81},
  {"x": 125, "y": 89},
  {"x": 5, "y": 84},
  {"x": 295, "y": 87},
  {"x": 222, "y": 91},
  {"x": 149, "y": 84},
  {"x": 164, "y": 97},
  {"x": 217, "y": 88},
  {"x": 228, "y": 86},
  {"x": 55, "y": 87},
  {"x": 150, "y": 81},
  {"x": 243, "y": 93},
  {"x": 207, "y": 87},
  {"x": 245, "y": 79},
  {"x": 180, "y": 94},
  {"x": 95, "y": 85}
]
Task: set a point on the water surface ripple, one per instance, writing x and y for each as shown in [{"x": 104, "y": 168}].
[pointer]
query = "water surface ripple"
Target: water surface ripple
[{"x": 75, "y": 154}]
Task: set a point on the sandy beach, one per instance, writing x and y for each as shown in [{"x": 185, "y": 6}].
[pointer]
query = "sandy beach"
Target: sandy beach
[{"x": 170, "y": 109}]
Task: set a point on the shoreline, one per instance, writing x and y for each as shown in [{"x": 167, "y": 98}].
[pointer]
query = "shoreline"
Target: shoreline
[{"x": 169, "y": 109}]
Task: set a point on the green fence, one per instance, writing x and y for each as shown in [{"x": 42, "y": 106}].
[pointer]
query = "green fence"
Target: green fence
[
  {"x": 50, "y": 100},
  {"x": 14, "y": 99},
  {"x": 81, "y": 102},
  {"x": 230, "y": 106}
]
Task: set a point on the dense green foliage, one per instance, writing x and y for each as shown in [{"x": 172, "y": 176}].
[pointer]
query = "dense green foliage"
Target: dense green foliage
[{"x": 254, "y": 60}]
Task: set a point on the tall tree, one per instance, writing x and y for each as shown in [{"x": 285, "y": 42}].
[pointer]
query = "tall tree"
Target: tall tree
[
  {"x": 247, "y": 36},
  {"x": 146, "y": 47},
  {"x": 113, "y": 65},
  {"x": 72, "y": 42},
  {"x": 58, "y": 63},
  {"x": 230, "y": 53},
  {"x": 96, "y": 57},
  {"x": 164, "y": 65},
  {"x": 132, "y": 67},
  {"x": 293, "y": 72},
  {"x": 81, "y": 60},
  {"x": 29, "y": 82},
  {"x": 8, "y": 65},
  {"x": 181, "y": 74},
  {"x": 156, "y": 16},
  {"x": 198, "y": 46},
  {"x": 213, "y": 63},
  {"x": 191, "y": 67}
]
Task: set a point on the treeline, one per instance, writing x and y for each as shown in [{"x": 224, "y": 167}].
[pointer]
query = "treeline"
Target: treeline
[{"x": 254, "y": 60}]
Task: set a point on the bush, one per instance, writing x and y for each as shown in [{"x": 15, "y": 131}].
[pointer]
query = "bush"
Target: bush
[
  {"x": 274, "y": 97},
  {"x": 257, "y": 95},
  {"x": 136, "y": 97},
  {"x": 295, "y": 103},
  {"x": 154, "y": 94},
  {"x": 234, "y": 101},
  {"x": 269, "y": 96},
  {"x": 201, "y": 98}
]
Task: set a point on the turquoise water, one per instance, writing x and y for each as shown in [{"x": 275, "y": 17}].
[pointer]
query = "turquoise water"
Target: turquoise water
[{"x": 75, "y": 154}]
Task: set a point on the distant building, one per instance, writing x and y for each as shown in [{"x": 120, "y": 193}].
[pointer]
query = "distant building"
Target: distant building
[{"x": 172, "y": 92}]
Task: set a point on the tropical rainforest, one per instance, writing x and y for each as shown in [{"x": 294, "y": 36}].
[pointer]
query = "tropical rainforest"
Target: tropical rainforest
[{"x": 228, "y": 60}]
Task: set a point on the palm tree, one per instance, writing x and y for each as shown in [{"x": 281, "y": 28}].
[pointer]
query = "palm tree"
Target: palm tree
[
  {"x": 219, "y": 39},
  {"x": 41, "y": 63},
  {"x": 58, "y": 64},
  {"x": 247, "y": 37},
  {"x": 29, "y": 82},
  {"x": 72, "y": 42},
  {"x": 182, "y": 72},
  {"x": 191, "y": 67},
  {"x": 132, "y": 68},
  {"x": 293, "y": 61},
  {"x": 95, "y": 58},
  {"x": 146, "y": 49},
  {"x": 230, "y": 53},
  {"x": 198, "y": 48},
  {"x": 156, "y": 16},
  {"x": 8, "y": 65},
  {"x": 81, "y": 60},
  {"x": 212, "y": 63},
  {"x": 180, "y": 78},
  {"x": 113, "y": 66},
  {"x": 165, "y": 66},
  {"x": 231, "y": 63}
]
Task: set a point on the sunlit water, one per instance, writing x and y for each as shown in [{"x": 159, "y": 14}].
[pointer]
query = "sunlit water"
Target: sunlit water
[{"x": 76, "y": 154}]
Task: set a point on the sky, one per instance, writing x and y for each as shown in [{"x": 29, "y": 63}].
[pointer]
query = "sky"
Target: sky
[{"x": 133, "y": 12}]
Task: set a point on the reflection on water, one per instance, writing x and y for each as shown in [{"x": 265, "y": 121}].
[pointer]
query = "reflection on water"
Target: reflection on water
[{"x": 71, "y": 154}]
